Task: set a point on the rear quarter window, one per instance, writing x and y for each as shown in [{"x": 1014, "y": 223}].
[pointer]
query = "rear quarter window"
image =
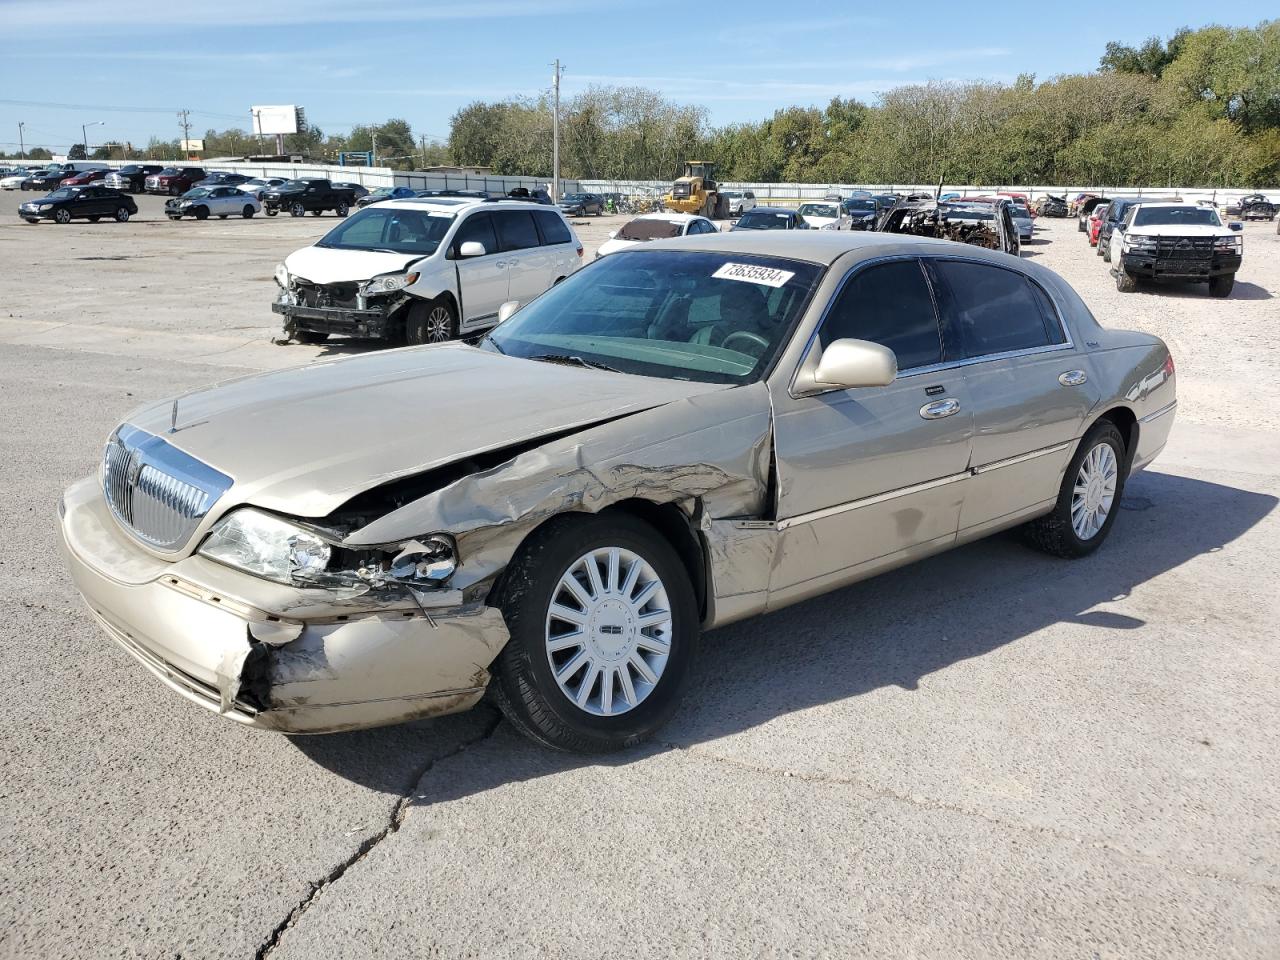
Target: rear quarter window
[{"x": 552, "y": 228}]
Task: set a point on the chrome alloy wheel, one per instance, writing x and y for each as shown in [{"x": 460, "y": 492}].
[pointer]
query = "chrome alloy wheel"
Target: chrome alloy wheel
[
  {"x": 608, "y": 631},
  {"x": 1094, "y": 493},
  {"x": 438, "y": 325}
]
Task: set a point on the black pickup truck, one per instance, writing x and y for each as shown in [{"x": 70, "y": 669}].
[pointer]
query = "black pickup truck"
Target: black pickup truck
[{"x": 304, "y": 196}]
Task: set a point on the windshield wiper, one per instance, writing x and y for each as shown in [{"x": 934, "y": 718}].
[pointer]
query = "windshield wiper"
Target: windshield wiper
[{"x": 574, "y": 362}]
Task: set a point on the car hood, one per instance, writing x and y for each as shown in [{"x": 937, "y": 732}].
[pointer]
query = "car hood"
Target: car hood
[
  {"x": 1190, "y": 230},
  {"x": 327, "y": 265},
  {"x": 613, "y": 246},
  {"x": 305, "y": 440}
]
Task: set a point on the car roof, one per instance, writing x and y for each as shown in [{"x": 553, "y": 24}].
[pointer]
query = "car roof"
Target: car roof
[
  {"x": 819, "y": 246},
  {"x": 461, "y": 204}
]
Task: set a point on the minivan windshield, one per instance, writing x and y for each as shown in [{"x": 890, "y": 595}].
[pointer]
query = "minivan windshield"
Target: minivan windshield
[
  {"x": 678, "y": 314},
  {"x": 390, "y": 230},
  {"x": 1176, "y": 216}
]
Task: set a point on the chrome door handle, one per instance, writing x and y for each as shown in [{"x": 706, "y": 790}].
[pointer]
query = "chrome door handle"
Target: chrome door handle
[
  {"x": 1072, "y": 378},
  {"x": 940, "y": 408}
]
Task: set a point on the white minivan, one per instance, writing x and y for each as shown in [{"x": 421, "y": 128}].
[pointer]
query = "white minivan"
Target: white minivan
[{"x": 424, "y": 271}]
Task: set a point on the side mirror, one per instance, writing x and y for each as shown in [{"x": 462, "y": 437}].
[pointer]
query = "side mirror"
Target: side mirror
[
  {"x": 507, "y": 310},
  {"x": 613, "y": 234},
  {"x": 471, "y": 248},
  {"x": 1235, "y": 225},
  {"x": 846, "y": 364}
]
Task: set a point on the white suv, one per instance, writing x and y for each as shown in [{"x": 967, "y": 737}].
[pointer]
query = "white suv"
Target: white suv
[
  {"x": 1186, "y": 242},
  {"x": 424, "y": 270}
]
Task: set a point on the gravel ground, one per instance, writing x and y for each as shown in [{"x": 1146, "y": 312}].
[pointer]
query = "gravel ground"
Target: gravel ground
[{"x": 989, "y": 754}]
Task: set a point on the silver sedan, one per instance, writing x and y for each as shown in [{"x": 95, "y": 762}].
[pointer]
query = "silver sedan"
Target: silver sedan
[{"x": 673, "y": 438}]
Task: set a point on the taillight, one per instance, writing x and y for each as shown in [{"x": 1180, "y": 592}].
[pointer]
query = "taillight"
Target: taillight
[
  {"x": 579, "y": 249},
  {"x": 1168, "y": 365}
]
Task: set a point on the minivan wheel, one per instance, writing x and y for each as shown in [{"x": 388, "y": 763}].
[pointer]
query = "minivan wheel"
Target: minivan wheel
[
  {"x": 604, "y": 629},
  {"x": 1088, "y": 499},
  {"x": 431, "y": 321}
]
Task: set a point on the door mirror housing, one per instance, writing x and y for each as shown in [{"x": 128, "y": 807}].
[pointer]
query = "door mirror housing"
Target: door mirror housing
[
  {"x": 613, "y": 234},
  {"x": 1235, "y": 225},
  {"x": 849, "y": 364},
  {"x": 471, "y": 248},
  {"x": 507, "y": 310}
]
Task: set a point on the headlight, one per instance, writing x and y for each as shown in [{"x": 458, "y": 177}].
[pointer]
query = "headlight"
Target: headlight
[
  {"x": 282, "y": 275},
  {"x": 389, "y": 282},
  {"x": 1140, "y": 243},
  {"x": 284, "y": 551},
  {"x": 266, "y": 546},
  {"x": 1228, "y": 244}
]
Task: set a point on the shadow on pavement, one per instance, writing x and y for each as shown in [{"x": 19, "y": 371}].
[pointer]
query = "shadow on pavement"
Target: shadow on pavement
[{"x": 953, "y": 607}]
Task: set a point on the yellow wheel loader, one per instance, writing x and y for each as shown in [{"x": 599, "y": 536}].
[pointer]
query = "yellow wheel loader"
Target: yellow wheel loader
[{"x": 698, "y": 192}]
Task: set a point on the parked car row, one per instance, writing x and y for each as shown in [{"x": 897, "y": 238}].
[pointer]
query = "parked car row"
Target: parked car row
[{"x": 1164, "y": 239}]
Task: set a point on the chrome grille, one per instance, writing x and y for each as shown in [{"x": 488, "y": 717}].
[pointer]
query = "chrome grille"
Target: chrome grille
[{"x": 157, "y": 492}]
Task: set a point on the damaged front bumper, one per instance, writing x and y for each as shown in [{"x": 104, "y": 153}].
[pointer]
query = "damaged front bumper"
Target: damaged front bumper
[
  {"x": 371, "y": 319},
  {"x": 272, "y": 656}
]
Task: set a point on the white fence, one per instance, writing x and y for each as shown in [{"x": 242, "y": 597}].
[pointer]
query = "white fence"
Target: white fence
[{"x": 783, "y": 194}]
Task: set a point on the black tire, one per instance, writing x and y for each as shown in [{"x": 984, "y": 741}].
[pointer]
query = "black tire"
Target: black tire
[
  {"x": 431, "y": 321},
  {"x": 342, "y": 210},
  {"x": 1099, "y": 249},
  {"x": 1220, "y": 286},
  {"x": 247, "y": 212},
  {"x": 309, "y": 336},
  {"x": 173, "y": 191},
  {"x": 1126, "y": 282},
  {"x": 201, "y": 213},
  {"x": 524, "y": 685},
  {"x": 122, "y": 214},
  {"x": 62, "y": 215},
  {"x": 1054, "y": 533},
  {"x": 297, "y": 210}
]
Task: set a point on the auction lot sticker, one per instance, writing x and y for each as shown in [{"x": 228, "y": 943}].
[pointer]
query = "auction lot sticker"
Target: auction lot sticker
[{"x": 751, "y": 273}]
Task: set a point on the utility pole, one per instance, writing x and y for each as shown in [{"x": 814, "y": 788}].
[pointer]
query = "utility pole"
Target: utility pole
[
  {"x": 424, "y": 151},
  {"x": 373, "y": 151},
  {"x": 555, "y": 134},
  {"x": 185, "y": 123},
  {"x": 22, "y": 147}
]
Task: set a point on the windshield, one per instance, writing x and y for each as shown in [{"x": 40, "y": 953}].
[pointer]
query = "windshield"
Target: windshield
[
  {"x": 195, "y": 193},
  {"x": 649, "y": 230},
  {"x": 380, "y": 192},
  {"x": 294, "y": 185},
  {"x": 860, "y": 205},
  {"x": 712, "y": 317},
  {"x": 63, "y": 193},
  {"x": 132, "y": 168},
  {"x": 1176, "y": 217},
  {"x": 169, "y": 172},
  {"x": 732, "y": 194},
  {"x": 574, "y": 198},
  {"x": 763, "y": 220},
  {"x": 969, "y": 211},
  {"x": 818, "y": 210},
  {"x": 390, "y": 230}
]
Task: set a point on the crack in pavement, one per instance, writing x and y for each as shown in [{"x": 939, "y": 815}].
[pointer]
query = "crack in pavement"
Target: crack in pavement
[
  {"x": 926, "y": 803},
  {"x": 369, "y": 843}
]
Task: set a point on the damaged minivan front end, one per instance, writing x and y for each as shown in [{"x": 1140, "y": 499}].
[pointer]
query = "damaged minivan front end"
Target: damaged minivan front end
[{"x": 370, "y": 309}]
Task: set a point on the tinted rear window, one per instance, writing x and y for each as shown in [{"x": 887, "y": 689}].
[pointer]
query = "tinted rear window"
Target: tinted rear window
[
  {"x": 552, "y": 227},
  {"x": 992, "y": 310},
  {"x": 889, "y": 304}
]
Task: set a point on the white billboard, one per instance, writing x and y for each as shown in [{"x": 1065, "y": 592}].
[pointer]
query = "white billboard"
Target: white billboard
[
  {"x": 277, "y": 119},
  {"x": 192, "y": 146}
]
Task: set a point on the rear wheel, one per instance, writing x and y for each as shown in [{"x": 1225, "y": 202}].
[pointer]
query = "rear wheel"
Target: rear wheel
[
  {"x": 1088, "y": 499},
  {"x": 431, "y": 321},
  {"x": 604, "y": 629},
  {"x": 1220, "y": 286}
]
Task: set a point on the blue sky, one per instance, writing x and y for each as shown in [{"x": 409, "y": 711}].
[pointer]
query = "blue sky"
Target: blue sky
[{"x": 67, "y": 62}]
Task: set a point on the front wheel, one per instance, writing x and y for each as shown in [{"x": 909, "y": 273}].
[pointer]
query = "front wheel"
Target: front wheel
[
  {"x": 1125, "y": 281},
  {"x": 604, "y": 630},
  {"x": 202, "y": 213},
  {"x": 342, "y": 210},
  {"x": 1220, "y": 286},
  {"x": 122, "y": 214},
  {"x": 62, "y": 215},
  {"x": 431, "y": 321},
  {"x": 247, "y": 212},
  {"x": 1088, "y": 499},
  {"x": 297, "y": 210}
]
